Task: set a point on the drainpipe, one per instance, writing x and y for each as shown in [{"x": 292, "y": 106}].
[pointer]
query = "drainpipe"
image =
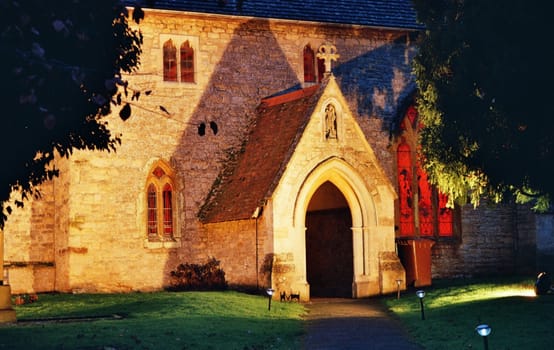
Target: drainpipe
[{"x": 255, "y": 216}]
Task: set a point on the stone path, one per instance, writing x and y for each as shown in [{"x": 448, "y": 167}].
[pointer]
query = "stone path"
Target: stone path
[{"x": 353, "y": 324}]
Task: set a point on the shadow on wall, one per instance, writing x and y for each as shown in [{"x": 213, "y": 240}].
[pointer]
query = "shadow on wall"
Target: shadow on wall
[
  {"x": 378, "y": 82},
  {"x": 29, "y": 250},
  {"x": 252, "y": 67}
]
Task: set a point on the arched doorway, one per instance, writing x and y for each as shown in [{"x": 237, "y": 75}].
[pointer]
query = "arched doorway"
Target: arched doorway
[{"x": 329, "y": 248}]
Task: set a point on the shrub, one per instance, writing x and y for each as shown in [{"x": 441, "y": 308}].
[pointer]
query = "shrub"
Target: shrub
[{"x": 208, "y": 276}]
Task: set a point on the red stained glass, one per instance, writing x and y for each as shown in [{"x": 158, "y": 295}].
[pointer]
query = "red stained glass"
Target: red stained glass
[
  {"x": 309, "y": 67},
  {"x": 152, "y": 211},
  {"x": 170, "y": 61},
  {"x": 425, "y": 204},
  {"x": 406, "y": 203},
  {"x": 187, "y": 63},
  {"x": 433, "y": 217},
  {"x": 320, "y": 69},
  {"x": 445, "y": 217},
  {"x": 167, "y": 211},
  {"x": 158, "y": 172}
]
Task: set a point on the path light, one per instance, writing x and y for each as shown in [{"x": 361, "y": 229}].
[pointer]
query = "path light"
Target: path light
[
  {"x": 398, "y": 282},
  {"x": 484, "y": 330},
  {"x": 421, "y": 294},
  {"x": 269, "y": 292}
]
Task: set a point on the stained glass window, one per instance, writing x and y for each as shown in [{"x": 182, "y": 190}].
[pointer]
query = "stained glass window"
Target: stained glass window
[
  {"x": 423, "y": 210},
  {"x": 405, "y": 185},
  {"x": 160, "y": 203},
  {"x": 187, "y": 63},
  {"x": 152, "y": 211},
  {"x": 170, "y": 61},
  {"x": 309, "y": 64},
  {"x": 168, "y": 211},
  {"x": 446, "y": 222},
  {"x": 320, "y": 69},
  {"x": 425, "y": 204}
]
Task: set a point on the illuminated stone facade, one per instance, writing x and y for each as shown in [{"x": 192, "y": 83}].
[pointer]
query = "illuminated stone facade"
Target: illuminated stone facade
[{"x": 89, "y": 232}]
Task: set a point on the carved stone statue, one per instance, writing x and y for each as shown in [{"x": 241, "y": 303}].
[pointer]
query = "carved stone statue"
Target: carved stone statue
[{"x": 330, "y": 122}]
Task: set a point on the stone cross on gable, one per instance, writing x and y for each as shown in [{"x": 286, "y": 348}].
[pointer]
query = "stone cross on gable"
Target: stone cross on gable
[{"x": 327, "y": 52}]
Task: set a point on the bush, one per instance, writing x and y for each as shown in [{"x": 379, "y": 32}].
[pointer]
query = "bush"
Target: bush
[{"x": 208, "y": 276}]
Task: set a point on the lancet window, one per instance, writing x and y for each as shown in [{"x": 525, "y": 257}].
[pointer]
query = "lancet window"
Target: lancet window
[
  {"x": 160, "y": 200},
  {"x": 178, "y": 65},
  {"x": 313, "y": 67}
]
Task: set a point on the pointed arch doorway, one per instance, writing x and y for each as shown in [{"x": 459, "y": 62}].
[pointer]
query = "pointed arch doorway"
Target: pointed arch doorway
[{"x": 329, "y": 247}]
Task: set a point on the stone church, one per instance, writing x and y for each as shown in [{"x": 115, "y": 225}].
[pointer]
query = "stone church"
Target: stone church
[{"x": 279, "y": 138}]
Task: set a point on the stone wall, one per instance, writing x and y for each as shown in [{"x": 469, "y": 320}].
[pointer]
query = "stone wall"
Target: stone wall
[
  {"x": 545, "y": 242},
  {"x": 88, "y": 231},
  {"x": 29, "y": 249},
  {"x": 234, "y": 244},
  {"x": 494, "y": 240}
]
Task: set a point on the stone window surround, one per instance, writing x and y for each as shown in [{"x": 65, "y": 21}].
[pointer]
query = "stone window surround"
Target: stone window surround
[
  {"x": 175, "y": 240},
  {"x": 317, "y": 64},
  {"x": 178, "y": 40}
]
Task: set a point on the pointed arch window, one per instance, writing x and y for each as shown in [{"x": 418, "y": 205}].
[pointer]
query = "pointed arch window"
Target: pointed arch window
[
  {"x": 160, "y": 204},
  {"x": 167, "y": 195},
  {"x": 405, "y": 192},
  {"x": 187, "y": 62},
  {"x": 152, "y": 211},
  {"x": 309, "y": 67},
  {"x": 422, "y": 208},
  {"x": 179, "y": 61},
  {"x": 313, "y": 67},
  {"x": 170, "y": 61}
]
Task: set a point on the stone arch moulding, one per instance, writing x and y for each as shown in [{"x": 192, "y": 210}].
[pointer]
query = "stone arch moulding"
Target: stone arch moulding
[
  {"x": 362, "y": 207},
  {"x": 348, "y": 181}
]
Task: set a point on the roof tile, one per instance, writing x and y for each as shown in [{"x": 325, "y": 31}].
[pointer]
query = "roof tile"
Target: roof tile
[
  {"x": 280, "y": 123},
  {"x": 374, "y": 13}
]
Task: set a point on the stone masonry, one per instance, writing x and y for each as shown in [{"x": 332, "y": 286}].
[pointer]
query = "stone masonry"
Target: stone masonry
[{"x": 88, "y": 231}]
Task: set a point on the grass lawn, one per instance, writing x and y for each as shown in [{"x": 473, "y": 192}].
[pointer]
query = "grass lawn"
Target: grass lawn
[
  {"x": 164, "y": 320},
  {"x": 232, "y": 320},
  {"x": 519, "y": 319}
]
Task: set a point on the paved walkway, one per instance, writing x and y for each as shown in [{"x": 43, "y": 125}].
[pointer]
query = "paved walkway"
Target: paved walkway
[{"x": 353, "y": 324}]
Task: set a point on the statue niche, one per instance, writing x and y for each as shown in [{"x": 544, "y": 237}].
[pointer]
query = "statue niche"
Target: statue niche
[{"x": 330, "y": 122}]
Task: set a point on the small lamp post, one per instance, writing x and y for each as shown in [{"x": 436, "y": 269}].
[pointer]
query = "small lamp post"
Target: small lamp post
[
  {"x": 421, "y": 294},
  {"x": 398, "y": 282},
  {"x": 269, "y": 292},
  {"x": 484, "y": 330}
]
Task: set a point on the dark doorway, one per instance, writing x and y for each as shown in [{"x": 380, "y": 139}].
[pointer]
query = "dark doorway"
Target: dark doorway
[{"x": 329, "y": 252}]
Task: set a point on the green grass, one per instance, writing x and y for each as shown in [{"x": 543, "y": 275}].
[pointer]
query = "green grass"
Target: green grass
[
  {"x": 519, "y": 319},
  {"x": 164, "y": 320},
  {"x": 231, "y": 320}
]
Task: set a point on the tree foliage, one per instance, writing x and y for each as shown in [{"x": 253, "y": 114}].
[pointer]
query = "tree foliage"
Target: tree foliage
[
  {"x": 485, "y": 85},
  {"x": 62, "y": 65}
]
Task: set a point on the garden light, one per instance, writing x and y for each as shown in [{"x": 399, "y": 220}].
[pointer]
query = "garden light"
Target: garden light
[
  {"x": 398, "y": 282},
  {"x": 269, "y": 292},
  {"x": 484, "y": 331},
  {"x": 421, "y": 294}
]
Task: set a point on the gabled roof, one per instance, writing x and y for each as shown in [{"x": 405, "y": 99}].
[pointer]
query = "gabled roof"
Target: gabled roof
[
  {"x": 246, "y": 183},
  {"x": 373, "y": 13}
]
